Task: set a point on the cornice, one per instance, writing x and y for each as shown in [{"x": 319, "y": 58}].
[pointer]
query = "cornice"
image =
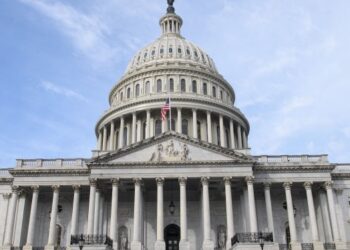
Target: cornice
[
  {"x": 341, "y": 176},
  {"x": 49, "y": 172},
  {"x": 293, "y": 168}
]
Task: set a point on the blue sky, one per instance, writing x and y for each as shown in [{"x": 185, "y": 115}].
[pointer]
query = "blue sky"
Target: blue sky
[{"x": 288, "y": 61}]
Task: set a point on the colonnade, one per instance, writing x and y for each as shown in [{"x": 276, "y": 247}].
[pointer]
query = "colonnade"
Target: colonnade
[
  {"x": 95, "y": 196},
  {"x": 230, "y": 134}
]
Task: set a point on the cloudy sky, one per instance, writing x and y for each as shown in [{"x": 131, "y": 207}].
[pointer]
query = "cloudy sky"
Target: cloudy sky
[{"x": 288, "y": 61}]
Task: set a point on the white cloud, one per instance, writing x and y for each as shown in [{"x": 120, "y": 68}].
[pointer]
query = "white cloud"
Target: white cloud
[{"x": 49, "y": 86}]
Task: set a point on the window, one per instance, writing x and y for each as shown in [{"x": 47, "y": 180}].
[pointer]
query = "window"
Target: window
[
  {"x": 214, "y": 92},
  {"x": 137, "y": 90},
  {"x": 159, "y": 86},
  {"x": 194, "y": 86},
  {"x": 195, "y": 54},
  {"x": 227, "y": 137},
  {"x": 145, "y": 55},
  {"x": 121, "y": 96},
  {"x": 158, "y": 127},
  {"x": 162, "y": 51},
  {"x": 183, "y": 85},
  {"x": 221, "y": 95},
  {"x": 172, "y": 125},
  {"x": 153, "y": 52},
  {"x": 199, "y": 130},
  {"x": 125, "y": 136},
  {"x": 144, "y": 126},
  {"x": 218, "y": 135},
  {"x": 128, "y": 93},
  {"x": 179, "y": 50},
  {"x": 171, "y": 85},
  {"x": 170, "y": 50},
  {"x": 147, "y": 88},
  {"x": 185, "y": 126},
  {"x": 205, "y": 89},
  {"x": 188, "y": 52}
]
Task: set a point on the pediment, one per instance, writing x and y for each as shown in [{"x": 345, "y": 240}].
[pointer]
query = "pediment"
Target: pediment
[{"x": 169, "y": 148}]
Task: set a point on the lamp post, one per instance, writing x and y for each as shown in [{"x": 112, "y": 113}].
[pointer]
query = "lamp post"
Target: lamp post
[
  {"x": 261, "y": 242},
  {"x": 81, "y": 242}
]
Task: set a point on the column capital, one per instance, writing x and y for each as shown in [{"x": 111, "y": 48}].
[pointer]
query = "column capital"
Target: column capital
[
  {"x": 194, "y": 110},
  {"x": 182, "y": 180},
  {"x": 76, "y": 187},
  {"x": 249, "y": 179},
  {"x": 267, "y": 185},
  {"x": 93, "y": 182},
  {"x": 15, "y": 189},
  {"x": 6, "y": 195},
  {"x": 227, "y": 180},
  {"x": 287, "y": 185},
  {"x": 328, "y": 185},
  {"x": 35, "y": 188},
  {"x": 208, "y": 112},
  {"x": 55, "y": 188},
  {"x": 308, "y": 185},
  {"x": 137, "y": 181},
  {"x": 205, "y": 180},
  {"x": 115, "y": 182},
  {"x": 160, "y": 180},
  {"x": 179, "y": 109}
]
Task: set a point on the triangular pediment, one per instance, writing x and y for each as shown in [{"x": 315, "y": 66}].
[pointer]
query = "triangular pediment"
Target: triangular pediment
[{"x": 169, "y": 148}]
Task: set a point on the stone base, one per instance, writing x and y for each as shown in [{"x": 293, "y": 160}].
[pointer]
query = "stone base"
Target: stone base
[
  {"x": 27, "y": 247},
  {"x": 6, "y": 248},
  {"x": 318, "y": 245},
  {"x": 208, "y": 245},
  {"x": 184, "y": 245},
  {"x": 255, "y": 246},
  {"x": 89, "y": 247},
  {"x": 49, "y": 247},
  {"x": 136, "y": 245},
  {"x": 340, "y": 245},
  {"x": 295, "y": 246},
  {"x": 159, "y": 245}
]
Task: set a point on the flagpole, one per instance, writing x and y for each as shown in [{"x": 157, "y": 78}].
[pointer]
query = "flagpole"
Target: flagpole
[{"x": 169, "y": 106}]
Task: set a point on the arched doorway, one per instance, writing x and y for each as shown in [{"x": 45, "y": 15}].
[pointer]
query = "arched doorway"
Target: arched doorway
[{"x": 172, "y": 237}]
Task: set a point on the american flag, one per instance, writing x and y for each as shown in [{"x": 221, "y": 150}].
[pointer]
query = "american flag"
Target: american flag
[{"x": 165, "y": 109}]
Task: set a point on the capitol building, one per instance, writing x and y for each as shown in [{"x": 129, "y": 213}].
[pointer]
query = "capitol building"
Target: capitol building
[{"x": 172, "y": 169}]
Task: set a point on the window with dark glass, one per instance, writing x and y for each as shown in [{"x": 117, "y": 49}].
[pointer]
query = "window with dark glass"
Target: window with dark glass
[
  {"x": 188, "y": 52},
  {"x": 227, "y": 137},
  {"x": 170, "y": 50},
  {"x": 179, "y": 50},
  {"x": 144, "y": 126},
  {"x": 214, "y": 92},
  {"x": 128, "y": 93},
  {"x": 221, "y": 95},
  {"x": 205, "y": 89},
  {"x": 195, "y": 54},
  {"x": 125, "y": 136},
  {"x": 159, "y": 86},
  {"x": 218, "y": 134},
  {"x": 137, "y": 90},
  {"x": 183, "y": 85},
  {"x": 158, "y": 127},
  {"x": 184, "y": 126},
  {"x": 199, "y": 130},
  {"x": 171, "y": 85},
  {"x": 194, "y": 86}
]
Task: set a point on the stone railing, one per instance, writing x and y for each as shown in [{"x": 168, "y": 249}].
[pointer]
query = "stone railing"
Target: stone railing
[
  {"x": 92, "y": 239},
  {"x": 271, "y": 159},
  {"x": 329, "y": 246},
  {"x": 307, "y": 246},
  {"x": 50, "y": 163},
  {"x": 4, "y": 173},
  {"x": 251, "y": 238}
]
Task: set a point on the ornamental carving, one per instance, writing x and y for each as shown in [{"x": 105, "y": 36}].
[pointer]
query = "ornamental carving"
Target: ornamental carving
[{"x": 170, "y": 152}]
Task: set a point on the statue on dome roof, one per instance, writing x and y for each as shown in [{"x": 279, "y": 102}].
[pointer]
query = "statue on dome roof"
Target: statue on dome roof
[
  {"x": 171, "y": 2},
  {"x": 171, "y": 8}
]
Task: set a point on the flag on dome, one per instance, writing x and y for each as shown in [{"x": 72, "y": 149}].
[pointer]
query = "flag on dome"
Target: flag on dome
[{"x": 165, "y": 109}]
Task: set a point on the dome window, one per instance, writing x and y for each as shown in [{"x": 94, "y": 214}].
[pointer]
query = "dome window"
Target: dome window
[
  {"x": 195, "y": 54},
  {"x": 128, "y": 93},
  {"x": 183, "y": 85},
  {"x": 121, "y": 96},
  {"x": 205, "y": 89},
  {"x": 221, "y": 95},
  {"x": 159, "y": 86},
  {"x": 199, "y": 130},
  {"x": 171, "y": 85},
  {"x": 153, "y": 52},
  {"x": 125, "y": 136},
  {"x": 179, "y": 50},
  {"x": 194, "y": 86},
  {"x": 185, "y": 126},
  {"x": 188, "y": 52},
  {"x": 162, "y": 51},
  {"x": 170, "y": 50},
  {"x": 158, "y": 127},
  {"x": 137, "y": 90},
  {"x": 145, "y": 55},
  {"x": 214, "y": 92},
  {"x": 147, "y": 88},
  {"x": 218, "y": 135}
]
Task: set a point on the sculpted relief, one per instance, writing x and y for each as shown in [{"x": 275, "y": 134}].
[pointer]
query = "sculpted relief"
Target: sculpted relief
[{"x": 171, "y": 152}]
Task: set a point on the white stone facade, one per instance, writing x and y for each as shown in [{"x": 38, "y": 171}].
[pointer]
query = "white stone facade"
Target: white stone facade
[{"x": 190, "y": 183}]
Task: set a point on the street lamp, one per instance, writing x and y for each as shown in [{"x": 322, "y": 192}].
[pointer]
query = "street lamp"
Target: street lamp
[
  {"x": 81, "y": 242},
  {"x": 261, "y": 242}
]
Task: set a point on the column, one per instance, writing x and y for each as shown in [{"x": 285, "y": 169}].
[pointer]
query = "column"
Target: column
[
  {"x": 194, "y": 121},
  {"x": 90, "y": 227},
  {"x": 99, "y": 140},
  {"x": 11, "y": 216},
  {"x": 290, "y": 210},
  {"x": 133, "y": 128},
  {"x": 184, "y": 244},
  {"x": 209, "y": 134},
  {"x": 335, "y": 230},
  {"x": 136, "y": 241},
  {"x": 229, "y": 212},
  {"x": 121, "y": 132},
  {"x": 232, "y": 135},
  {"x": 179, "y": 120},
  {"x": 245, "y": 140},
  {"x": 111, "y": 136},
  {"x": 148, "y": 123},
  {"x": 207, "y": 242},
  {"x": 268, "y": 204},
  {"x": 160, "y": 244},
  {"x": 75, "y": 210},
  {"x": 104, "y": 141},
  {"x": 222, "y": 131},
  {"x": 53, "y": 217},
  {"x": 251, "y": 204},
  {"x": 239, "y": 137},
  {"x": 97, "y": 212},
  {"x": 139, "y": 129},
  {"x": 32, "y": 217},
  {"x": 114, "y": 214}
]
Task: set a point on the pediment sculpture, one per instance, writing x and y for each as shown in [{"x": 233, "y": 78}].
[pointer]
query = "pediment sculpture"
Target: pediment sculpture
[{"x": 170, "y": 152}]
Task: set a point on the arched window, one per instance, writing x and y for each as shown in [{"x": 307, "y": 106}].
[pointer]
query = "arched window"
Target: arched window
[
  {"x": 128, "y": 93},
  {"x": 184, "y": 126},
  {"x": 172, "y": 125},
  {"x": 144, "y": 126},
  {"x": 161, "y": 51},
  {"x": 205, "y": 89},
  {"x": 194, "y": 86},
  {"x": 159, "y": 86},
  {"x": 158, "y": 127},
  {"x": 218, "y": 135},
  {"x": 137, "y": 90},
  {"x": 183, "y": 85},
  {"x": 199, "y": 130},
  {"x": 214, "y": 91},
  {"x": 125, "y": 136},
  {"x": 147, "y": 88},
  {"x": 179, "y": 50},
  {"x": 121, "y": 96},
  {"x": 171, "y": 85}
]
